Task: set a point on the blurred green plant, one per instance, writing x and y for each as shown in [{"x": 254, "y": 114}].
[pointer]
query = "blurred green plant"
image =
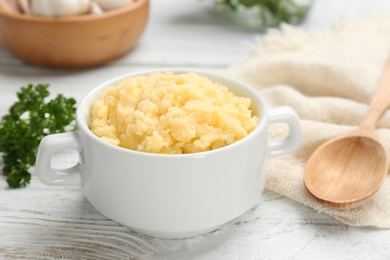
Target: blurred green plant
[{"x": 268, "y": 13}]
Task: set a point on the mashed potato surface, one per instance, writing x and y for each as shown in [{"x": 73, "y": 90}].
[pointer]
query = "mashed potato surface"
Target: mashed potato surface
[{"x": 171, "y": 113}]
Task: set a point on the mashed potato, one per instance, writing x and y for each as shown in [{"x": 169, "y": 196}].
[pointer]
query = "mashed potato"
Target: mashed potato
[{"x": 171, "y": 113}]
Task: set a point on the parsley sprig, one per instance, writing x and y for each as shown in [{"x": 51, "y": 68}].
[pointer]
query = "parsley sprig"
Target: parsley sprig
[{"x": 30, "y": 119}]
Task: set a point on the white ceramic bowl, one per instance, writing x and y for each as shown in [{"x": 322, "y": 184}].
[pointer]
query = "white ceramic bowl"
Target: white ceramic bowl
[{"x": 165, "y": 195}]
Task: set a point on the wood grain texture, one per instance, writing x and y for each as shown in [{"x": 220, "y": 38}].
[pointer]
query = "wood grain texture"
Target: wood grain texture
[
  {"x": 60, "y": 222},
  {"x": 41, "y": 222},
  {"x": 380, "y": 102}
]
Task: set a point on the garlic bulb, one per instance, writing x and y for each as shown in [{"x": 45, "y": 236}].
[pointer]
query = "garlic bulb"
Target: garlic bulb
[
  {"x": 111, "y": 4},
  {"x": 9, "y": 5},
  {"x": 59, "y": 7},
  {"x": 96, "y": 9},
  {"x": 24, "y": 6}
]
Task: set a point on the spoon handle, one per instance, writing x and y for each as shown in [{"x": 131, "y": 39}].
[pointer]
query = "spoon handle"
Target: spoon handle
[{"x": 380, "y": 101}]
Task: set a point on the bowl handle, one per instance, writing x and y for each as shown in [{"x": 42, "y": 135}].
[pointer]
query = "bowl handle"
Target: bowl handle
[
  {"x": 50, "y": 145},
  {"x": 293, "y": 140}
]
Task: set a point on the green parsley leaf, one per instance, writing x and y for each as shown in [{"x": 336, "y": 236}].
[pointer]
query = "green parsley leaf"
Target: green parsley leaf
[{"x": 29, "y": 120}]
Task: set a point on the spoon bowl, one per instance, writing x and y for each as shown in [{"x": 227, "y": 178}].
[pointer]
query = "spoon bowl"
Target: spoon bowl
[
  {"x": 349, "y": 167},
  {"x": 343, "y": 173}
]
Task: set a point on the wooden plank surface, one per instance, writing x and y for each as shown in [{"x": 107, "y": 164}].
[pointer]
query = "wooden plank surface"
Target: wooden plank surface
[{"x": 42, "y": 222}]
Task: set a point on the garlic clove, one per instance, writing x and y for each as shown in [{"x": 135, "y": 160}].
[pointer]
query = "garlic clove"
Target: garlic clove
[
  {"x": 59, "y": 7},
  {"x": 9, "y": 6},
  {"x": 112, "y": 4},
  {"x": 95, "y": 9},
  {"x": 24, "y": 6}
]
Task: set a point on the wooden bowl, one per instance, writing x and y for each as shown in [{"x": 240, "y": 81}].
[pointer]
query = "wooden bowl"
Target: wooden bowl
[{"x": 76, "y": 41}]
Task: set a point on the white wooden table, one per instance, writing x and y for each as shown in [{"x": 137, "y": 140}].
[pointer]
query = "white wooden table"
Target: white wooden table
[{"x": 41, "y": 222}]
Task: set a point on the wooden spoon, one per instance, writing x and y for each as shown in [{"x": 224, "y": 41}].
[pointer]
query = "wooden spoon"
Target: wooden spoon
[{"x": 344, "y": 172}]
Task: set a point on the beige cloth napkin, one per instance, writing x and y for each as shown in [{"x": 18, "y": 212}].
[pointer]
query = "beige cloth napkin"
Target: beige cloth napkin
[{"x": 329, "y": 79}]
